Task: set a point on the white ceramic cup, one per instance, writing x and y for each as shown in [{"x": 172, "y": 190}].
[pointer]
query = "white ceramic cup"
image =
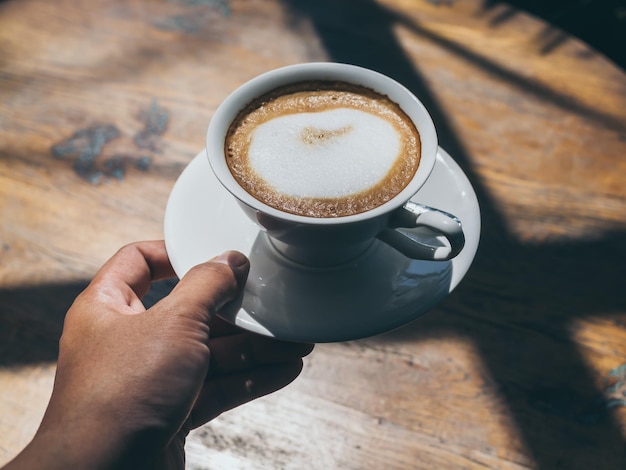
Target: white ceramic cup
[{"x": 316, "y": 241}]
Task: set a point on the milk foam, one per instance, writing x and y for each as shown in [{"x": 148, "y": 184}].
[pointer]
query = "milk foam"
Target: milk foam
[
  {"x": 326, "y": 154},
  {"x": 322, "y": 149}
]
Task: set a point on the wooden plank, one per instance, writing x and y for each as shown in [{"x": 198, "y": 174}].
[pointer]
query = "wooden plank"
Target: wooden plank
[{"x": 103, "y": 103}]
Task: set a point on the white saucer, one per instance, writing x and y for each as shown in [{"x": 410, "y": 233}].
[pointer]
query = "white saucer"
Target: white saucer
[{"x": 378, "y": 292}]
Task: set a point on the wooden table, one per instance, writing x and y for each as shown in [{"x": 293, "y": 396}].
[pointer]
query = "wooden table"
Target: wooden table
[{"x": 104, "y": 102}]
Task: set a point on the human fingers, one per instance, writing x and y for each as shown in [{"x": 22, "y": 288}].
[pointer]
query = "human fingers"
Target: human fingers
[
  {"x": 207, "y": 287},
  {"x": 229, "y": 391},
  {"x": 235, "y": 353},
  {"x": 126, "y": 277}
]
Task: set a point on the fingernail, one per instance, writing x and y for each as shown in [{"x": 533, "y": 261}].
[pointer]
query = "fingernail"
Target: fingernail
[
  {"x": 234, "y": 259},
  {"x": 238, "y": 262}
]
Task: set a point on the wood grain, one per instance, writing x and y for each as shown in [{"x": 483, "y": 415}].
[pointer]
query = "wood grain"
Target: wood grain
[{"x": 102, "y": 105}]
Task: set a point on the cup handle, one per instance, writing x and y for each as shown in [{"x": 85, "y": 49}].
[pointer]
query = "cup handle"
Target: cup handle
[{"x": 413, "y": 215}]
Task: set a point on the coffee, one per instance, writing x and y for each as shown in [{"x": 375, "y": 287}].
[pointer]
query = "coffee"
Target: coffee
[{"x": 323, "y": 149}]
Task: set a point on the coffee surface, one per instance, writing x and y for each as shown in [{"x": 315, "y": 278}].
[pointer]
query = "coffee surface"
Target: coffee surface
[{"x": 323, "y": 149}]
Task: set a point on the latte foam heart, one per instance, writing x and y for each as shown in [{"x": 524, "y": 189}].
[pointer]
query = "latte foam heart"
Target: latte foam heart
[
  {"x": 327, "y": 154},
  {"x": 322, "y": 149}
]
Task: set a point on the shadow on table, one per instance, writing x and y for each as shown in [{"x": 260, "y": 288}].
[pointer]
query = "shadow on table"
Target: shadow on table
[
  {"x": 519, "y": 303},
  {"x": 32, "y": 319},
  {"x": 31, "y": 322},
  {"x": 599, "y": 23}
]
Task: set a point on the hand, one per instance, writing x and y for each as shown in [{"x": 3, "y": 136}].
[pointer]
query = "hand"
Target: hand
[{"x": 131, "y": 383}]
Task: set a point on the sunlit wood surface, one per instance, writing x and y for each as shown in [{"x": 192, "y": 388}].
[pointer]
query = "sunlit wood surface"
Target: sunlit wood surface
[{"x": 104, "y": 102}]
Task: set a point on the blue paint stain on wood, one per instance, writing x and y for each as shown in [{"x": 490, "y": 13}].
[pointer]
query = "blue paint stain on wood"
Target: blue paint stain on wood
[
  {"x": 155, "y": 119},
  {"x": 84, "y": 148},
  {"x": 223, "y": 6},
  {"x": 88, "y": 142},
  {"x": 615, "y": 390},
  {"x": 447, "y": 3},
  {"x": 199, "y": 15},
  {"x": 143, "y": 163},
  {"x": 615, "y": 403},
  {"x": 619, "y": 371},
  {"x": 565, "y": 403}
]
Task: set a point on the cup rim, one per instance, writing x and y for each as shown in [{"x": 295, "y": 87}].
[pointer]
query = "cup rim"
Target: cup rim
[{"x": 354, "y": 74}]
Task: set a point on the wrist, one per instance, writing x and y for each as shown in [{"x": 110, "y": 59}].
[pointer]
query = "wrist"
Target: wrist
[{"x": 88, "y": 445}]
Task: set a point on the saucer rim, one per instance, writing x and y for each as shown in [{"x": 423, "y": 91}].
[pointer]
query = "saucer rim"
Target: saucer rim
[{"x": 244, "y": 320}]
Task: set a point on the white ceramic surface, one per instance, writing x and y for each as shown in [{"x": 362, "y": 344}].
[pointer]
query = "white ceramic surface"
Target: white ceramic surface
[
  {"x": 327, "y": 241},
  {"x": 378, "y": 292},
  {"x": 257, "y": 86}
]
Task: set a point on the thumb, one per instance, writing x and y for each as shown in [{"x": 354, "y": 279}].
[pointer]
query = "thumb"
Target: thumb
[{"x": 208, "y": 286}]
